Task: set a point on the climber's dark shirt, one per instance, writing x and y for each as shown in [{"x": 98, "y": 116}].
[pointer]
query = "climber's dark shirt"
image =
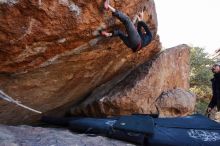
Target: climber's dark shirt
[{"x": 145, "y": 37}]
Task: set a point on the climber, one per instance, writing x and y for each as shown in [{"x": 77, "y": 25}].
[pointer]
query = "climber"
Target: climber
[{"x": 135, "y": 38}]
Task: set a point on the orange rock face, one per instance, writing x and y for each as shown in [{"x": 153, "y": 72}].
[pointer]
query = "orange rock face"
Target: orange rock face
[
  {"x": 51, "y": 56},
  {"x": 33, "y": 33}
]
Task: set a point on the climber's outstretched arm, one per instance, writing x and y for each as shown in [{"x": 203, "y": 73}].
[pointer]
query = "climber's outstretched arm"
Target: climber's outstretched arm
[
  {"x": 138, "y": 17},
  {"x": 108, "y": 6},
  {"x": 135, "y": 19},
  {"x": 141, "y": 15}
]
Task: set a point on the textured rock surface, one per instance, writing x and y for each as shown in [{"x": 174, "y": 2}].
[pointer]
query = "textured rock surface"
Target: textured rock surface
[
  {"x": 50, "y": 57},
  {"x": 35, "y": 33},
  {"x": 36, "y": 136},
  {"x": 176, "y": 102},
  {"x": 138, "y": 92}
]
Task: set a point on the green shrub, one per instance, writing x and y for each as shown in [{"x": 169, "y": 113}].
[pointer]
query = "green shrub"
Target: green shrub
[
  {"x": 202, "y": 91},
  {"x": 201, "y": 106},
  {"x": 200, "y": 75}
]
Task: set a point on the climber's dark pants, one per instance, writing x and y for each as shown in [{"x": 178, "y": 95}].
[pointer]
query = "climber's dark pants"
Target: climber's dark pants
[{"x": 132, "y": 39}]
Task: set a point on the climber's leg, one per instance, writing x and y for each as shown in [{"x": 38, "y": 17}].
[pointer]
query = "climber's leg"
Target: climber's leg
[
  {"x": 123, "y": 37},
  {"x": 132, "y": 40},
  {"x": 132, "y": 34},
  {"x": 130, "y": 28},
  {"x": 116, "y": 33}
]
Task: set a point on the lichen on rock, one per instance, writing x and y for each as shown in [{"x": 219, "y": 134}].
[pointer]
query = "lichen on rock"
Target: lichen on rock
[
  {"x": 71, "y": 5},
  {"x": 10, "y": 2}
]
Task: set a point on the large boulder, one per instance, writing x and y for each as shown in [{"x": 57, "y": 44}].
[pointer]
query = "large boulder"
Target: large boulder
[
  {"x": 138, "y": 91},
  {"x": 51, "y": 56},
  {"x": 37, "y": 136},
  {"x": 176, "y": 102}
]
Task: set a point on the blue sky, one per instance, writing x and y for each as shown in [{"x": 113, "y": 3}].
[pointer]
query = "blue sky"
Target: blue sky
[{"x": 193, "y": 22}]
